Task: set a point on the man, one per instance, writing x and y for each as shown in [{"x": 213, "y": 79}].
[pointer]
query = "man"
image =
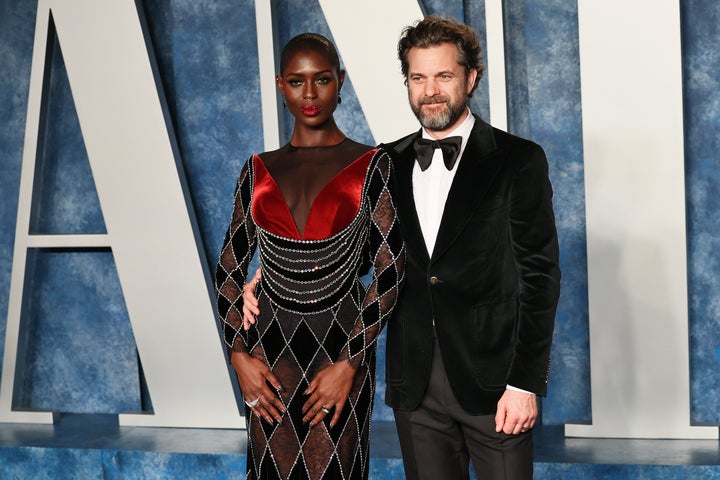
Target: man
[{"x": 468, "y": 345}]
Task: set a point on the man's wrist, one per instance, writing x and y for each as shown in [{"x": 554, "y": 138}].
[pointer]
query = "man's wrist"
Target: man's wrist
[{"x": 516, "y": 389}]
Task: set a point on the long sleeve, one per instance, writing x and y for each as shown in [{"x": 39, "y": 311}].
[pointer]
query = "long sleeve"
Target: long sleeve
[
  {"x": 235, "y": 255},
  {"x": 535, "y": 246},
  {"x": 387, "y": 252}
]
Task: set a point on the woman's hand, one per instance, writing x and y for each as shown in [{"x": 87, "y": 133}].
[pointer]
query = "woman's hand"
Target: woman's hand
[
  {"x": 250, "y": 307},
  {"x": 329, "y": 389},
  {"x": 254, "y": 377}
]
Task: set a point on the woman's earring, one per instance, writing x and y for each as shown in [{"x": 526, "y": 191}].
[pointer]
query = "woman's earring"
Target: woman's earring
[
  {"x": 339, "y": 99},
  {"x": 284, "y": 103}
]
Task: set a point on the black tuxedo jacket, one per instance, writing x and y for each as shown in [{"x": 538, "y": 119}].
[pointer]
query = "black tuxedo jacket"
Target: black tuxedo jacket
[{"x": 492, "y": 282}]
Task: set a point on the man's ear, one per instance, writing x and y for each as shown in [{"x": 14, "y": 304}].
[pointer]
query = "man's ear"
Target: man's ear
[{"x": 471, "y": 78}]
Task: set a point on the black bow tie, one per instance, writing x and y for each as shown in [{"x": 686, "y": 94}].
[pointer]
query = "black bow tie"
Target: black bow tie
[{"x": 425, "y": 148}]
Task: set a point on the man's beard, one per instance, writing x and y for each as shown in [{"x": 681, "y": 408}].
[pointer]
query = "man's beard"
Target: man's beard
[{"x": 441, "y": 118}]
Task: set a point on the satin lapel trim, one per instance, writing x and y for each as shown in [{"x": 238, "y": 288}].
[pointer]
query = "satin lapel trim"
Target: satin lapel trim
[
  {"x": 478, "y": 166},
  {"x": 409, "y": 222}
]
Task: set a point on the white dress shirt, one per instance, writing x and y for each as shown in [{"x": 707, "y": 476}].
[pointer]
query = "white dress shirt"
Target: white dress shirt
[{"x": 431, "y": 188}]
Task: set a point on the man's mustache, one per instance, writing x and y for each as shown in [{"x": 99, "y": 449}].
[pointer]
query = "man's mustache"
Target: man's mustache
[{"x": 434, "y": 100}]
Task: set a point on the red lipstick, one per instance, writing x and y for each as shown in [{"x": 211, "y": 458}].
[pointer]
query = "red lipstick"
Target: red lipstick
[{"x": 310, "y": 110}]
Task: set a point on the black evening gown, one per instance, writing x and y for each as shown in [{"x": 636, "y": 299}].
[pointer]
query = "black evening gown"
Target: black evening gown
[{"x": 314, "y": 308}]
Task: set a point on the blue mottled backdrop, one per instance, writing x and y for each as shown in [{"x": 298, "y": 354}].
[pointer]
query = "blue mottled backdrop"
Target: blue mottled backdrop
[{"x": 207, "y": 58}]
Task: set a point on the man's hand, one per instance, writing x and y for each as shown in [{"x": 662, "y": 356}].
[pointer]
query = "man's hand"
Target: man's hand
[
  {"x": 250, "y": 307},
  {"x": 516, "y": 412}
]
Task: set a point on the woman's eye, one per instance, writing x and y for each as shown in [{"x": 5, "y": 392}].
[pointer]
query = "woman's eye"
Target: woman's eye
[
  {"x": 294, "y": 83},
  {"x": 323, "y": 80}
]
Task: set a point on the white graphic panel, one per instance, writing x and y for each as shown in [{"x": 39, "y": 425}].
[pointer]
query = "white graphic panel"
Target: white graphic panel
[
  {"x": 630, "y": 63},
  {"x": 149, "y": 227}
]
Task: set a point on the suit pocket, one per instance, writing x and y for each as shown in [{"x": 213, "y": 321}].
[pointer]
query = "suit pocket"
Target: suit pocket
[{"x": 494, "y": 341}]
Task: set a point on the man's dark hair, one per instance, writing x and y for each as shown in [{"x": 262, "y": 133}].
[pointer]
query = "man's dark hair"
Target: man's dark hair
[{"x": 433, "y": 31}]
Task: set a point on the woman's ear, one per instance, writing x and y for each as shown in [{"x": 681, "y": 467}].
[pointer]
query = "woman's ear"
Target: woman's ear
[
  {"x": 280, "y": 84},
  {"x": 341, "y": 79}
]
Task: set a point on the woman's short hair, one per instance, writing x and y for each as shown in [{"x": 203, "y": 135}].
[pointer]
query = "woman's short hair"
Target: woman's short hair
[{"x": 309, "y": 41}]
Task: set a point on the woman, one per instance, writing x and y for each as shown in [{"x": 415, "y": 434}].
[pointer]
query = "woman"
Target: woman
[{"x": 321, "y": 213}]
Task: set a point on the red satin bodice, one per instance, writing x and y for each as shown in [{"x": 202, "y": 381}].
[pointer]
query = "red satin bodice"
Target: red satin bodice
[{"x": 332, "y": 210}]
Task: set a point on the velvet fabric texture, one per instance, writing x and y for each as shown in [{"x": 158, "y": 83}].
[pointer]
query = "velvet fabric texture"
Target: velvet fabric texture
[{"x": 490, "y": 286}]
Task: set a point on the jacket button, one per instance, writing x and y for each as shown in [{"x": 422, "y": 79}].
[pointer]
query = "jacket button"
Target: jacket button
[{"x": 434, "y": 280}]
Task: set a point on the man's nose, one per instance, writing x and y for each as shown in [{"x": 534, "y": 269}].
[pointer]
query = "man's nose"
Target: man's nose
[{"x": 432, "y": 87}]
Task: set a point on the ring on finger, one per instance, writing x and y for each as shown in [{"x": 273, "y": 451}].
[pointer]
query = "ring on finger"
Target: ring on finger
[
  {"x": 253, "y": 403},
  {"x": 325, "y": 409}
]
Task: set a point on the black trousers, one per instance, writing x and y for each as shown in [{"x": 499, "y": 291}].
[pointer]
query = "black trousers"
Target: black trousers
[{"x": 439, "y": 438}]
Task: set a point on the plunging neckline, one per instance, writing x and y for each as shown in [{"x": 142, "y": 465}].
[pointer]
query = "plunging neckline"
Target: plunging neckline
[{"x": 290, "y": 219}]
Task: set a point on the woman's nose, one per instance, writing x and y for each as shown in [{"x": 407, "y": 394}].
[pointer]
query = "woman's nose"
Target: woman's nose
[{"x": 309, "y": 91}]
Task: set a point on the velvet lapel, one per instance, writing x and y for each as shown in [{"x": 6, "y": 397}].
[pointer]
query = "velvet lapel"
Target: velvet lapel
[
  {"x": 477, "y": 168},
  {"x": 409, "y": 223}
]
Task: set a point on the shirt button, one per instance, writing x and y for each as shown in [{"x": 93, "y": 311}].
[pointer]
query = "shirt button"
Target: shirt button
[{"x": 434, "y": 280}]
